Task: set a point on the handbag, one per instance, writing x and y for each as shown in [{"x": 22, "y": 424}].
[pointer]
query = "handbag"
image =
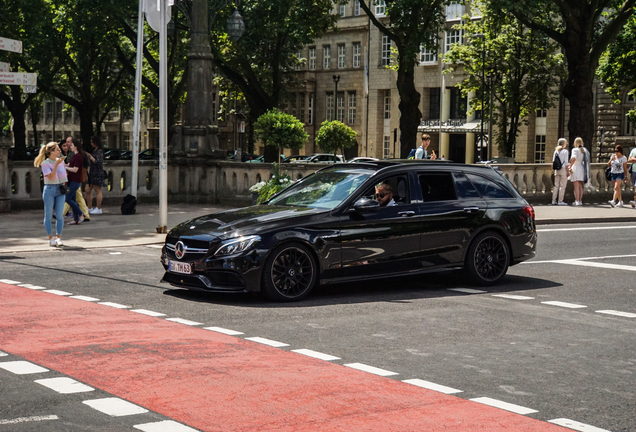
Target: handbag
[
  {"x": 84, "y": 174},
  {"x": 63, "y": 189},
  {"x": 608, "y": 173}
]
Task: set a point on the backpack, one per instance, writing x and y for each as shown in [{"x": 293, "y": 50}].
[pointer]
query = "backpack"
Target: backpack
[
  {"x": 129, "y": 205},
  {"x": 412, "y": 154},
  {"x": 556, "y": 162}
]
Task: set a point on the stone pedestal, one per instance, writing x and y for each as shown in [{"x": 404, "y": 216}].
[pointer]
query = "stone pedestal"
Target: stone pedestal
[
  {"x": 196, "y": 141},
  {"x": 5, "y": 179}
]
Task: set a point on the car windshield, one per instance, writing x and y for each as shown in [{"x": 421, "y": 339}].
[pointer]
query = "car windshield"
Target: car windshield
[{"x": 324, "y": 189}]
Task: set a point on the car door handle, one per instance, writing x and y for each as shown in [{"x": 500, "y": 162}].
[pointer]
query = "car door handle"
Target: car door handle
[
  {"x": 406, "y": 213},
  {"x": 471, "y": 209}
]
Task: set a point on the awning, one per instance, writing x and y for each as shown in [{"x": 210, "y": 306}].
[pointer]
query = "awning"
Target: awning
[{"x": 452, "y": 126}]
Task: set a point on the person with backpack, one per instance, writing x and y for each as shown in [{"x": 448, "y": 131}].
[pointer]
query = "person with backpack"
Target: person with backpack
[
  {"x": 560, "y": 166},
  {"x": 421, "y": 153}
]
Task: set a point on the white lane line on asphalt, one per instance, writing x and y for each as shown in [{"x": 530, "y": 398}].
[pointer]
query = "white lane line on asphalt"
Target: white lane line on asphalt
[
  {"x": 115, "y": 407},
  {"x": 598, "y": 265},
  {"x": 267, "y": 342},
  {"x": 156, "y": 246},
  {"x": 3, "y": 354},
  {"x": 164, "y": 426},
  {"x": 564, "y": 304},
  {"x": 432, "y": 386},
  {"x": 224, "y": 331},
  {"x": 513, "y": 297},
  {"x": 64, "y": 385},
  {"x": 21, "y": 367},
  {"x": 316, "y": 354},
  {"x": 9, "y": 281},
  {"x": 115, "y": 305},
  {"x": 587, "y": 228},
  {"x": 85, "y": 298},
  {"x": 504, "y": 405},
  {"x": 33, "y": 287},
  {"x": 28, "y": 419},
  {"x": 371, "y": 369},
  {"x": 115, "y": 253},
  {"x": 147, "y": 312},
  {"x": 579, "y": 259},
  {"x": 618, "y": 313},
  {"x": 184, "y": 321},
  {"x": 577, "y": 426},
  {"x": 58, "y": 292},
  {"x": 467, "y": 290}
]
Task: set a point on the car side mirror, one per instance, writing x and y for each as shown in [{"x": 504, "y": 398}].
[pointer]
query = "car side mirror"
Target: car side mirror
[{"x": 365, "y": 205}]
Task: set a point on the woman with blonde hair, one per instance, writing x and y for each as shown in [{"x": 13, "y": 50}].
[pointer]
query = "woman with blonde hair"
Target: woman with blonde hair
[
  {"x": 54, "y": 172},
  {"x": 578, "y": 169}
]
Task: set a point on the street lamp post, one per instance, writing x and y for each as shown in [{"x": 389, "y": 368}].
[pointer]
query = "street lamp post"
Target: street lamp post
[
  {"x": 483, "y": 91},
  {"x": 336, "y": 78}
]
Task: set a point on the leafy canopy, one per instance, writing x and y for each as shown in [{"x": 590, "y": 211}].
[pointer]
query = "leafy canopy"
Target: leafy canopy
[
  {"x": 335, "y": 135},
  {"x": 278, "y": 129}
]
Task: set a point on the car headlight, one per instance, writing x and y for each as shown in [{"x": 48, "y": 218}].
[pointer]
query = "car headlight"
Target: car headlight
[{"x": 238, "y": 245}]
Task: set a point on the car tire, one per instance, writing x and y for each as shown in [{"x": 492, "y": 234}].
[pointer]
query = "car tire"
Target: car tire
[
  {"x": 290, "y": 273},
  {"x": 487, "y": 259}
]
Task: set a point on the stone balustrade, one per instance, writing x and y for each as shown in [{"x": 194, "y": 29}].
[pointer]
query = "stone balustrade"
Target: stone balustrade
[{"x": 224, "y": 182}]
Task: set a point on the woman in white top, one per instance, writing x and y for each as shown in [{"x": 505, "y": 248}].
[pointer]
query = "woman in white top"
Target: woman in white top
[
  {"x": 618, "y": 164},
  {"x": 578, "y": 169}
]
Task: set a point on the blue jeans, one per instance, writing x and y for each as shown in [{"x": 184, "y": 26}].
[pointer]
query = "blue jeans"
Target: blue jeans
[
  {"x": 71, "y": 199},
  {"x": 53, "y": 199}
]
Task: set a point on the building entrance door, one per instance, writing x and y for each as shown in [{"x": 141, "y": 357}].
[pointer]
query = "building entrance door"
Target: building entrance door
[{"x": 457, "y": 148}]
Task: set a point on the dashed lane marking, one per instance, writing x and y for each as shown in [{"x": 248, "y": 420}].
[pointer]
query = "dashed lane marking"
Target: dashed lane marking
[
  {"x": 267, "y": 342},
  {"x": 513, "y": 297},
  {"x": 164, "y": 426},
  {"x": 3, "y": 354},
  {"x": 224, "y": 331},
  {"x": 617, "y": 313},
  {"x": 64, "y": 385},
  {"x": 467, "y": 290},
  {"x": 9, "y": 281},
  {"x": 29, "y": 419},
  {"x": 316, "y": 354},
  {"x": 577, "y": 426},
  {"x": 504, "y": 405},
  {"x": 184, "y": 321},
  {"x": 149, "y": 313},
  {"x": 33, "y": 287},
  {"x": 115, "y": 407},
  {"x": 114, "y": 305},
  {"x": 371, "y": 369},
  {"x": 58, "y": 292},
  {"x": 85, "y": 298},
  {"x": 564, "y": 304},
  {"x": 21, "y": 367},
  {"x": 587, "y": 228},
  {"x": 432, "y": 386}
]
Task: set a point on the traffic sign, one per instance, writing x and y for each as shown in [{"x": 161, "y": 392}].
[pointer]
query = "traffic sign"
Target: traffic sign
[
  {"x": 29, "y": 89},
  {"x": 7, "y": 44},
  {"x": 18, "y": 78},
  {"x": 4, "y": 67}
]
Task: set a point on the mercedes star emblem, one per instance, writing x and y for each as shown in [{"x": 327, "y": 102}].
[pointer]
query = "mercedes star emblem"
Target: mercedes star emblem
[{"x": 179, "y": 249}]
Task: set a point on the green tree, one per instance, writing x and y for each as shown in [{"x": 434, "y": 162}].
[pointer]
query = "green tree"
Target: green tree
[
  {"x": 411, "y": 24},
  {"x": 583, "y": 29},
  {"x": 278, "y": 129},
  {"x": 520, "y": 69},
  {"x": 335, "y": 135}
]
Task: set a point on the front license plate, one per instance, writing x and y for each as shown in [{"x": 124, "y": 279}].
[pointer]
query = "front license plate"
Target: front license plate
[{"x": 178, "y": 267}]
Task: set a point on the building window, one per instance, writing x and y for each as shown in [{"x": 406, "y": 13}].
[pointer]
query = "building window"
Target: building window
[
  {"x": 386, "y": 51},
  {"x": 387, "y": 104},
  {"x": 542, "y": 113},
  {"x": 452, "y": 37},
  {"x": 329, "y": 103},
  {"x": 343, "y": 10},
  {"x": 380, "y": 7},
  {"x": 453, "y": 10},
  {"x": 59, "y": 107},
  {"x": 539, "y": 149},
  {"x": 356, "y": 7},
  {"x": 326, "y": 57},
  {"x": 357, "y": 54},
  {"x": 312, "y": 58},
  {"x": 127, "y": 138},
  {"x": 340, "y": 107},
  {"x": 299, "y": 61},
  {"x": 341, "y": 56},
  {"x": 310, "y": 109},
  {"x": 301, "y": 112},
  {"x": 386, "y": 147},
  {"x": 458, "y": 104},
  {"x": 434, "y": 103},
  {"x": 352, "y": 108},
  {"x": 293, "y": 105},
  {"x": 629, "y": 126},
  {"x": 428, "y": 55}
]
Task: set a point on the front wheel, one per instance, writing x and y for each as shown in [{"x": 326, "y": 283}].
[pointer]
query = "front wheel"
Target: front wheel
[
  {"x": 487, "y": 259},
  {"x": 290, "y": 273}
]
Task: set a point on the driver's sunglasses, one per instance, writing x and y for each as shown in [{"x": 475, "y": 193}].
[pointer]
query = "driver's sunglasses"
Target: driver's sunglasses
[{"x": 381, "y": 195}]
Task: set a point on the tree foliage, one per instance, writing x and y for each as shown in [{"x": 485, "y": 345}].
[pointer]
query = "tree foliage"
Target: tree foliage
[
  {"x": 335, "y": 135},
  {"x": 278, "y": 129}
]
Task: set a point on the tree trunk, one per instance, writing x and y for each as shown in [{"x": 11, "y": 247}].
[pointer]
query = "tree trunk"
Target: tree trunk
[
  {"x": 578, "y": 91},
  {"x": 85, "y": 112},
  {"x": 410, "y": 114}
]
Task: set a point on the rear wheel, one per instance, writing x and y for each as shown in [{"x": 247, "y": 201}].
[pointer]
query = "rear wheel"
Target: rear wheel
[
  {"x": 290, "y": 273},
  {"x": 487, "y": 259}
]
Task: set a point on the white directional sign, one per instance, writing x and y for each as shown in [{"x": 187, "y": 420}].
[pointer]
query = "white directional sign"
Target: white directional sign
[
  {"x": 7, "y": 44},
  {"x": 4, "y": 67},
  {"x": 18, "y": 78}
]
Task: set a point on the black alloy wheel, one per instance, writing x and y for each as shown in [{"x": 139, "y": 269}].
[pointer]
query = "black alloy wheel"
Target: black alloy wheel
[
  {"x": 488, "y": 258},
  {"x": 290, "y": 273}
]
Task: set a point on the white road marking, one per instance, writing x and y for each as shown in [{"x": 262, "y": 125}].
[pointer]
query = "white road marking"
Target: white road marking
[
  {"x": 467, "y": 290},
  {"x": 513, "y": 297},
  {"x": 597, "y": 265},
  {"x": 3, "y": 354},
  {"x": 184, "y": 321},
  {"x": 587, "y": 228},
  {"x": 115, "y": 305},
  {"x": 164, "y": 426},
  {"x": 58, "y": 292},
  {"x": 432, "y": 386},
  {"x": 33, "y": 287},
  {"x": 115, "y": 407},
  {"x": 371, "y": 369},
  {"x": 85, "y": 298},
  {"x": 115, "y": 253},
  {"x": 147, "y": 312},
  {"x": 563, "y": 304},
  {"x": 29, "y": 419},
  {"x": 580, "y": 259},
  {"x": 224, "y": 331},
  {"x": 504, "y": 405},
  {"x": 156, "y": 246},
  {"x": 64, "y": 385},
  {"x": 581, "y": 427},
  {"x": 267, "y": 342},
  {"x": 9, "y": 281},
  {"x": 316, "y": 354},
  {"x": 21, "y": 367},
  {"x": 617, "y": 313}
]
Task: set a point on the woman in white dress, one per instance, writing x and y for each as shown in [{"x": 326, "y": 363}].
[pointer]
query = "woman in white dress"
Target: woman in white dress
[{"x": 578, "y": 169}]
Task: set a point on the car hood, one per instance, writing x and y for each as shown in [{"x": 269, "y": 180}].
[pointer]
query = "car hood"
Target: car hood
[{"x": 243, "y": 221}]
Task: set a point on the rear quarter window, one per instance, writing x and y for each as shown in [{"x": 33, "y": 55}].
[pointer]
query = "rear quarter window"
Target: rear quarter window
[
  {"x": 437, "y": 187},
  {"x": 488, "y": 188}
]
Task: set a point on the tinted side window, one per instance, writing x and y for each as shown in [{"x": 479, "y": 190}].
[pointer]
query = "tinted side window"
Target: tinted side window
[
  {"x": 488, "y": 188},
  {"x": 465, "y": 189},
  {"x": 437, "y": 187},
  {"x": 398, "y": 185}
]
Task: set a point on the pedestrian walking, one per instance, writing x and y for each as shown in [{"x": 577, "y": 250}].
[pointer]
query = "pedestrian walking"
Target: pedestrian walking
[
  {"x": 96, "y": 177},
  {"x": 632, "y": 159},
  {"x": 74, "y": 169},
  {"x": 54, "y": 173},
  {"x": 578, "y": 170},
  {"x": 79, "y": 196},
  {"x": 561, "y": 174},
  {"x": 618, "y": 168}
]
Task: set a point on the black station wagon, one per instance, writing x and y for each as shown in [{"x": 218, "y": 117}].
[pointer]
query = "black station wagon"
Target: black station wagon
[{"x": 328, "y": 227}]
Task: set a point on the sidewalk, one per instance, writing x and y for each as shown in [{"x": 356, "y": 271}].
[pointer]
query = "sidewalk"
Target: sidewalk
[{"x": 22, "y": 231}]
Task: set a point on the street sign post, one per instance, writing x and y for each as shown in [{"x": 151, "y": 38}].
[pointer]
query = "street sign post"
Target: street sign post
[
  {"x": 12, "y": 45},
  {"x": 18, "y": 78}
]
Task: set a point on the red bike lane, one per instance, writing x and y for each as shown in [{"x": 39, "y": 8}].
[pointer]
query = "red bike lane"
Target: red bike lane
[{"x": 214, "y": 382}]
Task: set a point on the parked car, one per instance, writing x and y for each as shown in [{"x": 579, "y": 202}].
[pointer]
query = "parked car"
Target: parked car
[
  {"x": 259, "y": 159},
  {"x": 112, "y": 154},
  {"x": 149, "y": 154},
  {"x": 293, "y": 159},
  {"x": 322, "y": 158},
  {"x": 244, "y": 157},
  {"x": 328, "y": 227},
  {"x": 362, "y": 159}
]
